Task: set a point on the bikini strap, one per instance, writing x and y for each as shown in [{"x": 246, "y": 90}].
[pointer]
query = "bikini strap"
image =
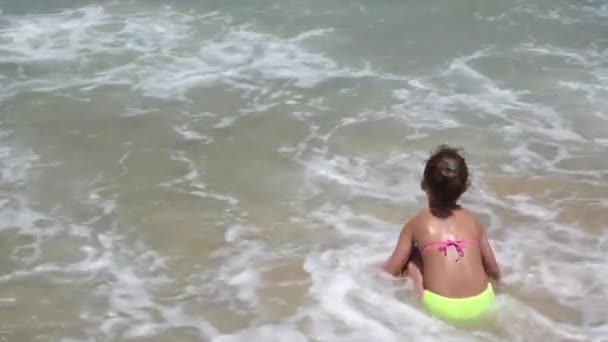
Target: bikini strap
[{"x": 443, "y": 246}]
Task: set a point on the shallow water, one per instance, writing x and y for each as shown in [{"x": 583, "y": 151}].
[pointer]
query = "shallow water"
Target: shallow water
[{"x": 231, "y": 170}]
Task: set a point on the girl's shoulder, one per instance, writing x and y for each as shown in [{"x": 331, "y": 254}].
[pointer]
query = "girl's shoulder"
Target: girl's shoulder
[
  {"x": 422, "y": 218},
  {"x": 468, "y": 214}
]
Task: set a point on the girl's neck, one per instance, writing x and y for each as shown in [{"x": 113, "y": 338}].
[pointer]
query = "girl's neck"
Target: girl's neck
[{"x": 434, "y": 204}]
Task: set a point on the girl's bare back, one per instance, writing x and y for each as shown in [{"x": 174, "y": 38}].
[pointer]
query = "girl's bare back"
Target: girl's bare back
[{"x": 454, "y": 252}]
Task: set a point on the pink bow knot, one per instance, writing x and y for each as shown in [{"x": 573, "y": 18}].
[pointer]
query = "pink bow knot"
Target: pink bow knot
[{"x": 458, "y": 244}]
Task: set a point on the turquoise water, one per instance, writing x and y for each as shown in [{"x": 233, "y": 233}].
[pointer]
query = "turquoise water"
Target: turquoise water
[{"x": 231, "y": 170}]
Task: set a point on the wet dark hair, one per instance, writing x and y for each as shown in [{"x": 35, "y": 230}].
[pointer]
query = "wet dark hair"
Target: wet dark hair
[{"x": 446, "y": 178}]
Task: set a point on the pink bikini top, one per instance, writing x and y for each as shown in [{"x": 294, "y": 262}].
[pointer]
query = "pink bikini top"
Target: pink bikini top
[{"x": 443, "y": 246}]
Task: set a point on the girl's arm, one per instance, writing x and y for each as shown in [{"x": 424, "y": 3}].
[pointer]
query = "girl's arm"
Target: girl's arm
[
  {"x": 488, "y": 258},
  {"x": 395, "y": 263}
]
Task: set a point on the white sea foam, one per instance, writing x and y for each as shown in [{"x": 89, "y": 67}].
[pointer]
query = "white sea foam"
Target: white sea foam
[
  {"x": 161, "y": 53},
  {"x": 270, "y": 333},
  {"x": 16, "y": 212},
  {"x": 189, "y": 134}
]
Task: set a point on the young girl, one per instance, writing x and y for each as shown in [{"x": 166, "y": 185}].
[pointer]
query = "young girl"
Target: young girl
[{"x": 444, "y": 248}]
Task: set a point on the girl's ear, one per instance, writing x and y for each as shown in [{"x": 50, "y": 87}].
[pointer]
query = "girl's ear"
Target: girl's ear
[{"x": 424, "y": 187}]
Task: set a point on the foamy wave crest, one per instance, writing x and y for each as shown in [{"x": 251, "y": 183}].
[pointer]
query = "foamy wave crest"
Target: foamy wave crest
[
  {"x": 544, "y": 135},
  {"x": 160, "y": 53}
]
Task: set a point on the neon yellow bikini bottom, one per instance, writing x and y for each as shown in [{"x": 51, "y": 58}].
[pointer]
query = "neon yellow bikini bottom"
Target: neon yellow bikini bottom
[{"x": 458, "y": 309}]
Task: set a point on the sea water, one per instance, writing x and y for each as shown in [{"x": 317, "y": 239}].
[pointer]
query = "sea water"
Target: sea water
[{"x": 234, "y": 170}]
